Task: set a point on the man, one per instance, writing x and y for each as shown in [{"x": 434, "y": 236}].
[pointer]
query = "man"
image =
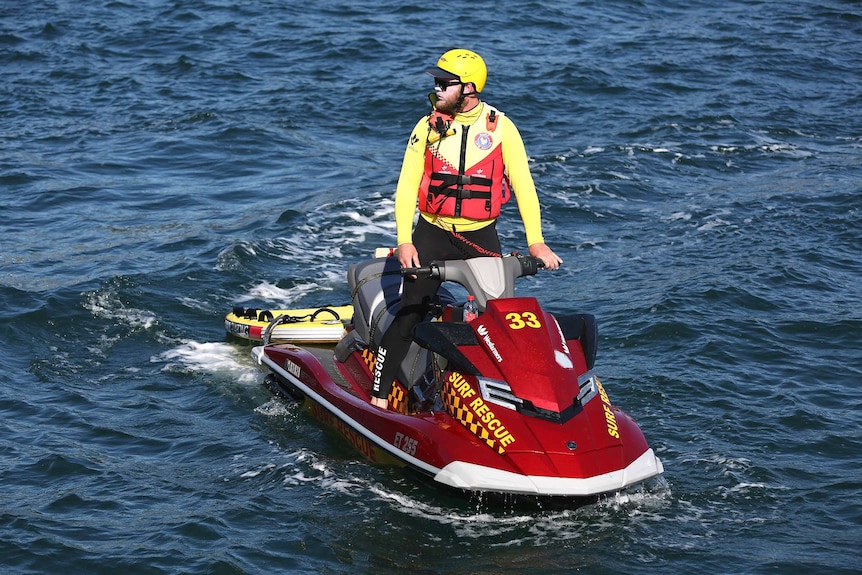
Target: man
[{"x": 459, "y": 164}]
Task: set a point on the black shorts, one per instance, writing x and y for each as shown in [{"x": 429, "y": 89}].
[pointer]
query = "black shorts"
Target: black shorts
[{"x": 434, "y": 243}]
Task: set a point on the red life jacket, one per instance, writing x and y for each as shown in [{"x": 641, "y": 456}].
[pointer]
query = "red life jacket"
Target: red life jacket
[{"x": 476, "y": 192}]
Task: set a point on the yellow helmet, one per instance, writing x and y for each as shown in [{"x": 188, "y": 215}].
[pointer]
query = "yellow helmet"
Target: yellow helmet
[{"x": 462, "y": 65}]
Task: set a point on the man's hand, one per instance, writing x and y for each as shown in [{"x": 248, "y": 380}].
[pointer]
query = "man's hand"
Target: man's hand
[
  {"x": 408, "y": 256},
  {"x": 541, "y": 250}
]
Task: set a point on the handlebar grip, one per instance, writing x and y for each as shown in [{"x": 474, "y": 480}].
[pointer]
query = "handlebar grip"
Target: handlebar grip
[
  {"x": 530, "y": 265},
  {"x": 418, "y": 272}
]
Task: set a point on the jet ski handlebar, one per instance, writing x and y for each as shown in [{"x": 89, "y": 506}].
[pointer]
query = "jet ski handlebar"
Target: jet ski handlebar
[
  {"x": 529, "y": 265},
  {"x": 424, "y": 271},
  {"x": 485, "y": 277}
]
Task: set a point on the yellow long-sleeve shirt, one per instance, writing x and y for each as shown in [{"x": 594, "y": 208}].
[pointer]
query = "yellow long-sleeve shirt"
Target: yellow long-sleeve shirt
[{"x": 514, "y": 159}]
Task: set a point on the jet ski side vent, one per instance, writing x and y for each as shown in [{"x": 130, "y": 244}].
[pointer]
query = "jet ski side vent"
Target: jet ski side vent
[
  {"x": 588, "y": 387},
  {"x": 499, "y": 392}
]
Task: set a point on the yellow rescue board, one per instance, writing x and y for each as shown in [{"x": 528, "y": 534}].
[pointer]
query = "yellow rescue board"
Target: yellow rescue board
[{"x": 309, "y": 325}]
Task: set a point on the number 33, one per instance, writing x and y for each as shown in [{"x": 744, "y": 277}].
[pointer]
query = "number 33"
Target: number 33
[{"x": 522, "y": 320}]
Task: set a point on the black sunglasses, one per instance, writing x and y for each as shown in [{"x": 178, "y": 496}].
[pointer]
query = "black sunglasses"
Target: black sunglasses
[{"x": 444, "y": 83}]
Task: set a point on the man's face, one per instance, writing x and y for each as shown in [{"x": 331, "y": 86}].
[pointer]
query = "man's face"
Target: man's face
[{"x": 448, "y": 91}]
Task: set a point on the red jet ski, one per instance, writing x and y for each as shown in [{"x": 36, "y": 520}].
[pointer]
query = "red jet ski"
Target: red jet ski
[{"x": 507, "y": 403}]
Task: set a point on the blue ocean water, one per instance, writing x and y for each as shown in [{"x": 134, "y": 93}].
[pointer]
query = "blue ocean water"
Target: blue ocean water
[{"x": 699, "y": 166}]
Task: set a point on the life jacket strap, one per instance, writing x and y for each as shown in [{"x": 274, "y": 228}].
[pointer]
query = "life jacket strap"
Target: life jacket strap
[{"x": 449, "y": 180}]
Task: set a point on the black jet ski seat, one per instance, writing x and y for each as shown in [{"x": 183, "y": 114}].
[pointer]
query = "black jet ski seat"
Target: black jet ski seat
[{"x": 375, "y": 286}]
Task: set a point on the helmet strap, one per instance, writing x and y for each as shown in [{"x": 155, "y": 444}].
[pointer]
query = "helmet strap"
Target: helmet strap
[
  {"x": 459, "y": 103},
  {"x": 462, "y": 97}
]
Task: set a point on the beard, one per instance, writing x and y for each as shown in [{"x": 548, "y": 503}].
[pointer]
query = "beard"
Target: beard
[{"x": 445, "y": 106}]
